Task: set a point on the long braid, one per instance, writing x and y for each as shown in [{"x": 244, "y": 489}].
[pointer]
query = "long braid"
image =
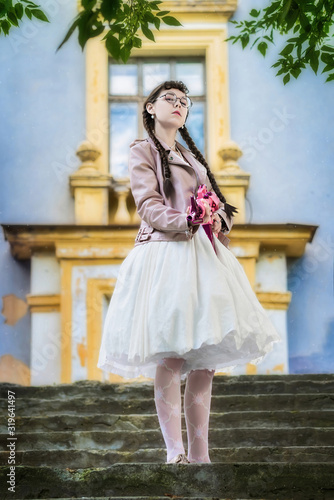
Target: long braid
[
  {"x": 149, "y": 126},
  {"x": 229, "y": 209}
]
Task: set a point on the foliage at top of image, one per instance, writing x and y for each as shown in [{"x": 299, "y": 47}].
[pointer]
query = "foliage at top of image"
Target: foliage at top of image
[
  {"x": 122, "y": 19},
  {"x": 11, "y": 13},
  {"x": 311, "y": 24}
]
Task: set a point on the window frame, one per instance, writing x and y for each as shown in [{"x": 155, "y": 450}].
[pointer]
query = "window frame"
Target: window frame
[{"x": 139, "y": 98}]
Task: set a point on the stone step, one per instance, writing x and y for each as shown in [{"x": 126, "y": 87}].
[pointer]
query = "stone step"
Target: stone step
[
  {"x": 279, "y": 481},
  {"x": 87, "y": 458},
  {"x": 243, "y": 384},
  {"x": 112, "y": 405},
  {"x": 134, "y": 440},
  {"x": 279, "y": 419},
  {"x": 175, "y": 497}
]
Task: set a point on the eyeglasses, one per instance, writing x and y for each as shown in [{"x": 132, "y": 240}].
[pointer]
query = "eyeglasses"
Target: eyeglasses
[{"x": 172, "y": 98}]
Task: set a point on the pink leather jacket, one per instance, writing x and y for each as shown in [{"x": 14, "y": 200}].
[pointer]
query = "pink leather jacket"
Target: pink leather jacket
[{"x": 165, "y": 219}]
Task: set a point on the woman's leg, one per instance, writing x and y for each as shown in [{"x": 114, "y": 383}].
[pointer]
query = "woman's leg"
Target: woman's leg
[
  {"x": 167, "y": 396},
  {"x": 197, "y": 401}
]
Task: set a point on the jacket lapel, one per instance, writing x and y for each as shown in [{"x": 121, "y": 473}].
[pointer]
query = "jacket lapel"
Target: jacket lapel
[{"x": 174, "y": 158}]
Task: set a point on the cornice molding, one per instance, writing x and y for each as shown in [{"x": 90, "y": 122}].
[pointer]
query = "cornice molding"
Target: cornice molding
[{"x": 117, "y": 241}]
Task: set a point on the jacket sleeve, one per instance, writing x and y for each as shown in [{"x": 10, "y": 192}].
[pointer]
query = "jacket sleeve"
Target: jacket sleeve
[
  {"x": 221, "y": 211},
  {"x": 145, "y": 189}
]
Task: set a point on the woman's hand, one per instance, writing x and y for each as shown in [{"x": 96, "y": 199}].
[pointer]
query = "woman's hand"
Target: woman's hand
[
  {"x": 216, "y": 225},
  {"x": 207, "y": 214}
]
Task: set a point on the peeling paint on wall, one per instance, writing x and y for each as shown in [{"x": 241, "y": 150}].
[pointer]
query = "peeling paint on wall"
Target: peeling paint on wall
[
  {"x": 279, "y": 368},
  {"x": 13, "y": 308},
  {"x": 82, "y": 352},
  {"x": 251, "y": 369},
  {"x": 13, "y": 370}
]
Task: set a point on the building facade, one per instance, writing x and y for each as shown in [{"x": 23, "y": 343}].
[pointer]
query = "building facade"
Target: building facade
[{"x": 67, "y": 213}]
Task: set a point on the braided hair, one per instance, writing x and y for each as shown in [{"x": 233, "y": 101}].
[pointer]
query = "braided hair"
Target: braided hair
[{"x": 149, "y": 126}]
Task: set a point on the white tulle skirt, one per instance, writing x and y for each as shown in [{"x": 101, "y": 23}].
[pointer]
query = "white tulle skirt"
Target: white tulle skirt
[{"x": 181, "y": 299}]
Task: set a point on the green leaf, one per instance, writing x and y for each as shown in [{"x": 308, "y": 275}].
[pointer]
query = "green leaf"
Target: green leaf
[
  {"x": 326, "y": 58},
  {"x": 156, "y": 2},
  {"x": 125, "y": 53},
  {"x": 12, "y": 18},
  {"x": 147, "y": 32},
  {"x": 284, "y": 11},
  {"x": 137, "y": 42},
  {"x": 109, "y": 9},
  {"x": 314, "y": 60},
  {"x": 88, "y": 4},
  {"x": 39, "y": 14},
  {"x": 286, "y": 78},
  {"x": 244, "y": 40},
  {"x": 291, "y": 18},
  {"x": 28, "y": 12},
  {"x": 18, "y": 10},
  {"x": 149, "y": 17},
  {"x": 256, "y": 39},
  {"x": 163, "y": 13},
  {"x": 5, "y": 26},
  {"x": 113, "y": 46},
  {"x": 330, "y": 77},
  {"x": 262, "y": 47},
  {"x": 304, "y": 21},
  {"x": 327, "y": 48},
  {"x": 295, "y": 72},
  {"x": 272, "y": 7},
  {"x": 254, "y": 13},
  {"x": 287, "y": 49},
  {"x": 157, "y": 23},
  {"x": 328, "y": 67},
  {"x": 171, "y": 21},
  {"x": 70, "y": 31}
]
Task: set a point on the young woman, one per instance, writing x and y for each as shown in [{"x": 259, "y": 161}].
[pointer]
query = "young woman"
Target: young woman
[{"x": 182, "y": 307}]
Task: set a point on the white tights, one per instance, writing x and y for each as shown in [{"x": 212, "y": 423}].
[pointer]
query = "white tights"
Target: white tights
[{"x": 197, "y": 400}]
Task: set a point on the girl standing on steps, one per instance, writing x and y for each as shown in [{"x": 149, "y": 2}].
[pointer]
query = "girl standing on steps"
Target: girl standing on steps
[{"x": 182, "y": 306}]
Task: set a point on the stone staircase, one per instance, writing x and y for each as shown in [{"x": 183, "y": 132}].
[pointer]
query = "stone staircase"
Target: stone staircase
[{"x": 270, "y": 437}]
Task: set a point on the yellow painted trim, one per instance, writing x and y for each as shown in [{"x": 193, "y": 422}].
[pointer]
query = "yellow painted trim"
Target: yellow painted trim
[
  {"x": 66, "y": 321},
  {"x": 249, "y": 266},
  {"x": 76, "y": 250},
  {"x": 208, "y": 42},
  {"x": 96, "y": 288},
  {"x": 289, "y": 239},
  {"x": 97, "y": 109},
  {"x": 43, "y": 303},
  {"x": 275, "y": 300}
]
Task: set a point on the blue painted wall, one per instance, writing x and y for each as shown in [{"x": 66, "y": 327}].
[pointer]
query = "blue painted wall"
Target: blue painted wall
[
  {"x": 42, "y": 122},
  {"x": 286, "y": 134}
]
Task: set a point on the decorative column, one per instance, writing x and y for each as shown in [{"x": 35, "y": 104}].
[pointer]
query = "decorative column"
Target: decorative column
[
  {"x": 90, "y": 188},
  {"x": 232, "y": 180}
]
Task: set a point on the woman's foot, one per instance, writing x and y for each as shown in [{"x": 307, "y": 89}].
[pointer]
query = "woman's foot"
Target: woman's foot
[{"x": 179, "y": 459}]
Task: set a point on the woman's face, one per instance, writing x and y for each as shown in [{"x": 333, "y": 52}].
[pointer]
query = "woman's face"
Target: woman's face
[{"x": 167, "y": 114}]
